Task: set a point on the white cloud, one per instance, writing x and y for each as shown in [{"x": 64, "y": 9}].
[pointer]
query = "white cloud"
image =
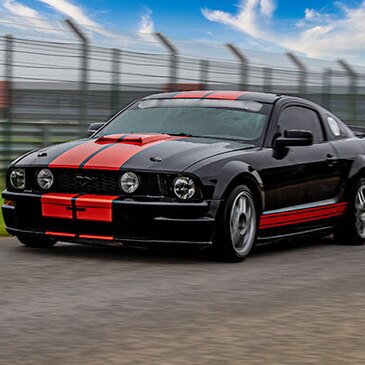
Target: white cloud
[
  {"x": 147, "y": 27},
  {"x": 344, "y": 35},
  {"x": 247, "y": 19},
  {"x": 146, "y": 24},
  {"x": 311, "y": 14},
  {"x": 318, "y": 34},
  {"x": 22, "y": 16},
  {"x": 65, "y": 7},
  {"x": 267, "y": 7}
]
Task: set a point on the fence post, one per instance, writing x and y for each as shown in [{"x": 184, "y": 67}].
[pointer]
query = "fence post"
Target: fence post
[
  {"x": 267, "y": 79},
  {"x": 352, "y": 92},
  {"x": 83, "y": 88},
  {"x": 204, "y": 74},
  {"x": 244, "y": 65},
  {"x": 173, "y": 59},
  {"x": 302, "y": 73},
  {"x": 326, "y": 87},
  {"x": 114, "y": 100},
  {"x": 9, "y": 58}
]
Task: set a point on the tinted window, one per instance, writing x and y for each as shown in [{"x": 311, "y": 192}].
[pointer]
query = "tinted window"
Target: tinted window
[
  {"x": 296, "y": 117},
  {"x": 210, "y": 119}
]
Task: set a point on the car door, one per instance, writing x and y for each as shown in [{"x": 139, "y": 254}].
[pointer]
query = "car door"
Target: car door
[{"x": 300, "y": 175}]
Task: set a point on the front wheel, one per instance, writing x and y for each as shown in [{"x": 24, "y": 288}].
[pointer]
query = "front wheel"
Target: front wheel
[
  {"x": 352, "y": 229},
  {"x": 238, "y": 226},
  {"x": 36, "y": 241}
]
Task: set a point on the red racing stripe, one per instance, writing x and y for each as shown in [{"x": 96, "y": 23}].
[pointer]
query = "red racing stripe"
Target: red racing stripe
[
  {"x": 308, "y": 219},
  {"x": 56, "y": 205},
  {"x": 93, "y": 237},
  {"x": 96, "y": 208},
  {"x": 301, "y": 216},
  {"x": 119, "y": 153},
  {"x": 61, "y": 234},
  {"x": 191, "y": 94},
  {"x": 76, "y": 155},
  {"x": 226, "y": 95}
]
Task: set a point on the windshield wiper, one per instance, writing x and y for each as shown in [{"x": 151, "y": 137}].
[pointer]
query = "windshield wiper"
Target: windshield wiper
[
  {"x": 182, "y": 134},
  {"x": 206, "y": 136}
]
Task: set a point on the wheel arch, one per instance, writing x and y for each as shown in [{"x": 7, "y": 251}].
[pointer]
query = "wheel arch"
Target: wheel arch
[
  {"x": 235, "y": 173},
  {"x": 356, "y": 172}
]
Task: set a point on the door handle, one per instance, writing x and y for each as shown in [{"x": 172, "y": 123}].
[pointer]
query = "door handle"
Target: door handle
[{"x": 331, "y": 160}]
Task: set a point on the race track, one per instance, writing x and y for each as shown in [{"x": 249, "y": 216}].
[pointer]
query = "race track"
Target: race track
[{"x": 289, "y": 303}]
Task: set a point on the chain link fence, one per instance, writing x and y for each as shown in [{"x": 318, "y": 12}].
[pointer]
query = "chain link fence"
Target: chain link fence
[{"x": 51, "y": 91}]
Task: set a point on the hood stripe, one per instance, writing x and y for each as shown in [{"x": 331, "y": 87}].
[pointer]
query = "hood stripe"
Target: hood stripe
[
  {"x": 110, "y": 156},
  {"x": 75, "y": 156},
  {"x": 87, "y": 159},
  {"x": 119, "y": 153}
]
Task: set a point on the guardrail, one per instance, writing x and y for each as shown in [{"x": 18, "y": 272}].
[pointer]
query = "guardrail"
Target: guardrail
[{"x": 51, "y": 91}]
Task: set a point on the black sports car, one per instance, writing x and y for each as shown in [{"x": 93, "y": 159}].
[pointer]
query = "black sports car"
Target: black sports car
[{"x": 224, "y": 169}]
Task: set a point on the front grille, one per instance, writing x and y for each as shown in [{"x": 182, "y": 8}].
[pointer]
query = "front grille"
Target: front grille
[{"x": 101, "y": 182}]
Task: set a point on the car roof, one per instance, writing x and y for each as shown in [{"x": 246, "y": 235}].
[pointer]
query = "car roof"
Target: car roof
[{"x": 218, "y": 95}]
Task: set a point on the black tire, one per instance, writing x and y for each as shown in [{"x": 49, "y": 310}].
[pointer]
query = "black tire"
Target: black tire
[
  {"x": 36, "y": 241},
  {"x": 224, "y": 247},
  {"x": 349, "y": 231}
]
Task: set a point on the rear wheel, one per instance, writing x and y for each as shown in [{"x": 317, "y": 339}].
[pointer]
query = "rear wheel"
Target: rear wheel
[
  {"x": 238, "y": 226},
  {"x": 36, "y": 241},
  {"x": 352, "y": 230}
]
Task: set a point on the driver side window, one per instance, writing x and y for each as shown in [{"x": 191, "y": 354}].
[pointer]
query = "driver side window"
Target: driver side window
[{"x": 297, "y": 117}]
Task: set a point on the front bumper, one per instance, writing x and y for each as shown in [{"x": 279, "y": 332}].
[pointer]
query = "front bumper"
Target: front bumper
[{"x": 91, "y": 218}]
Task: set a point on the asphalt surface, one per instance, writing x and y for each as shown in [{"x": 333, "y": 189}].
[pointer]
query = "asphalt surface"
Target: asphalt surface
[{"x": 289, "y": 303}]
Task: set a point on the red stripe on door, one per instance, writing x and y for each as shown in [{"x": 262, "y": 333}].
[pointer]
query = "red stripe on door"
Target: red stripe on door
[
  {"x": 191, "y": 95},
  {"x": 60, "y": 234},
  {"x": 95, "y": 237},
  {"x": 118, "y": 154},
  {"x": 301, "y": 216},
  {"x": 226, "y": 95},
  {"x": 76, "y": 155},
  {"x": 95, "y": 208},
  {"x": 55, "y": 205}
]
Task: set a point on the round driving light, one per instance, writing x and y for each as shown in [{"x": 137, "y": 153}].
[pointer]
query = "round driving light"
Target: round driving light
[
  {"x": 129, "y": 182},
  {"x": 184, "y": 187},
  {"x": 45, "y": 179},
  {"x": 17, "y": 178}
]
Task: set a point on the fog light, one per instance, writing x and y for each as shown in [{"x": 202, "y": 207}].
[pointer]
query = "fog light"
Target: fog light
[{"x": 10, "y": 203}]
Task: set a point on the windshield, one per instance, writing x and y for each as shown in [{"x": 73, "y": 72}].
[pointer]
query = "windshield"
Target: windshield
[{"x": 221, "y": 119}]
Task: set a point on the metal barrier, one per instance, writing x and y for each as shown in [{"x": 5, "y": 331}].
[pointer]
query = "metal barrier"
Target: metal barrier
[{"x": 51, "y": 91}]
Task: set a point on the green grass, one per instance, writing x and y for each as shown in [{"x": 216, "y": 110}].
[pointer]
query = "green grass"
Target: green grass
[{"x": 2, "y": 229}]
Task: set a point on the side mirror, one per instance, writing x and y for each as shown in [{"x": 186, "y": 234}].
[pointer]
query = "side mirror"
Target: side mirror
[
  {"x": 94, "y": 127},
  {"x": 294, "y": 137}
]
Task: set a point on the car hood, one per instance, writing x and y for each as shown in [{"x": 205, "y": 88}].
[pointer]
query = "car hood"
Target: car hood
[{"x": 131, "y": 151}]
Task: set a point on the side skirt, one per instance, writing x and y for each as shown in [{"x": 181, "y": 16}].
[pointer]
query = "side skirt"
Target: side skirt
[{"x": 261, "y": 240}]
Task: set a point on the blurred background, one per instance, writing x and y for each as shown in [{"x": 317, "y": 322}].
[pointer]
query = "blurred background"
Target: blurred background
[{"x": 51, "y": 91}]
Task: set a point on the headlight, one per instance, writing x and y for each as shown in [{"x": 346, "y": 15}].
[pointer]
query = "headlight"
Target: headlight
[
  {"x": 129, "y": 182},
  {"x": 45, "y": 179},
  {"x": 184, "y": 187},
  {"x": 17, "y": 178}
]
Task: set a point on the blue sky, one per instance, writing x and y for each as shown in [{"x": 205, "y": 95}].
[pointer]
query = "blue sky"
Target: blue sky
[{"x": 314, "y": 28}]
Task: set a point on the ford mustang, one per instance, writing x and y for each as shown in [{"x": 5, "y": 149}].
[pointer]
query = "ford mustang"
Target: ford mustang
[{"x": 211, "y": 169}]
